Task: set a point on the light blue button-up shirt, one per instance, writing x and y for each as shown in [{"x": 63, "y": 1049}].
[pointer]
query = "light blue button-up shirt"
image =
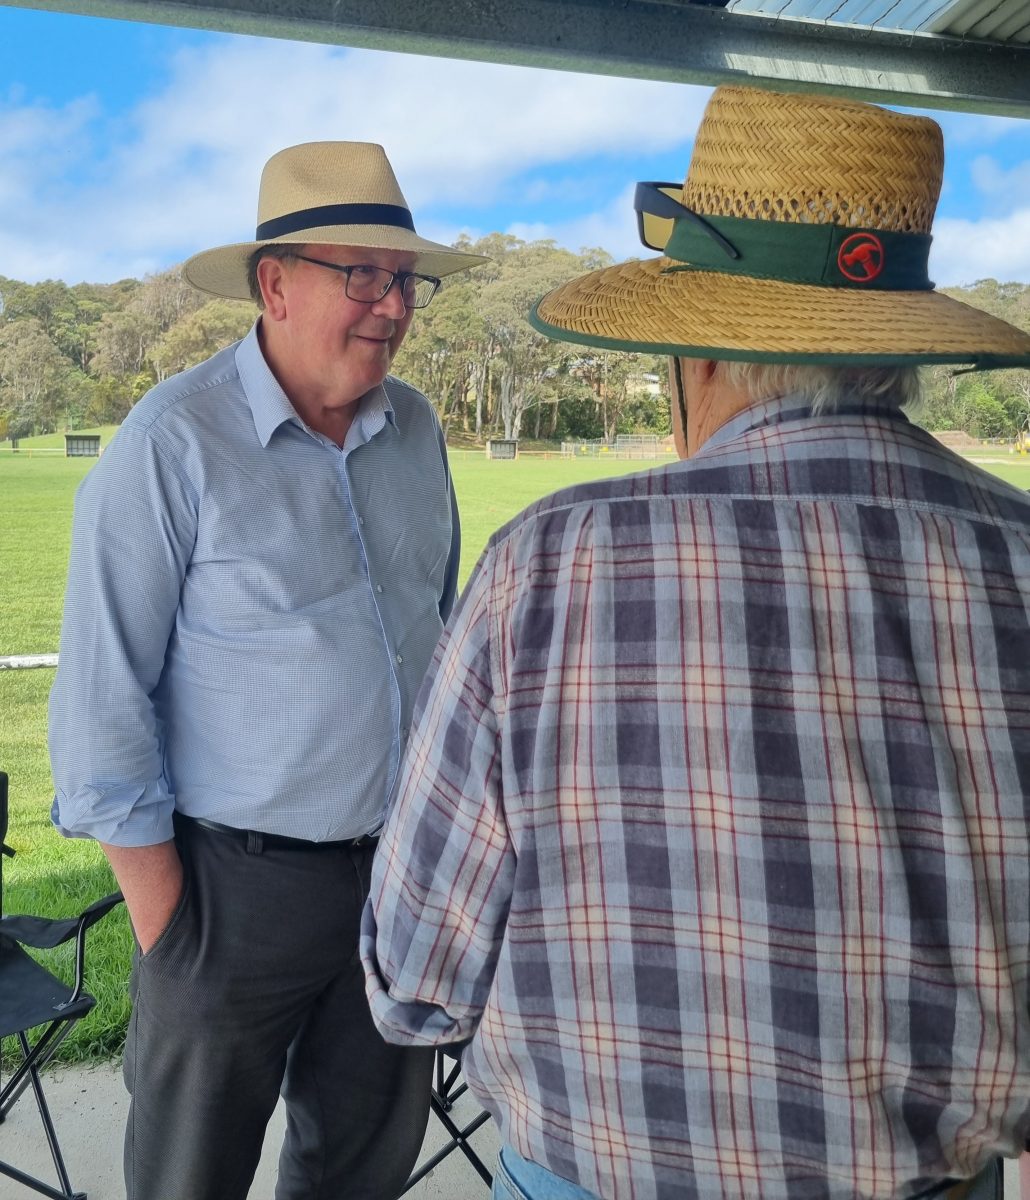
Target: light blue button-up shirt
[{"x": 250, "y": 610}]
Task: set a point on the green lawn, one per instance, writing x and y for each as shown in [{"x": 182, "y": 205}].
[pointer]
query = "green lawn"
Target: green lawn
[
  {"x": 54, "y": 441},
  {"x": 1014, "y": 469},
  {"x": 59, "y": 877}
]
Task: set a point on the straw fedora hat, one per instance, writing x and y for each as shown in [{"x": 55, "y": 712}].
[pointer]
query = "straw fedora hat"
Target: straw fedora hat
[
  {"x": 325, "y": 193},
  {"x": 801, "y": 234}
]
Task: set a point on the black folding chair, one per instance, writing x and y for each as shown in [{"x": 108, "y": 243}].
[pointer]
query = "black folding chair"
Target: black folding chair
[
  {"x": 31, "y": 998},
  {"x": 447, "y": 1091}
]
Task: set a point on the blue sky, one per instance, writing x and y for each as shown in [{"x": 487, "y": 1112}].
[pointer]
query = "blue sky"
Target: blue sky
[{"x": 126, "y": 147}]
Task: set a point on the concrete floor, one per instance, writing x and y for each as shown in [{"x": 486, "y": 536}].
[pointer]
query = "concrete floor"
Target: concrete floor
[{"x": 89, "y": 1106}]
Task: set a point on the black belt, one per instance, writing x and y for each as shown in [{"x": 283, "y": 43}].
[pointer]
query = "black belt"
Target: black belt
[{"x": 255, "y": 840}]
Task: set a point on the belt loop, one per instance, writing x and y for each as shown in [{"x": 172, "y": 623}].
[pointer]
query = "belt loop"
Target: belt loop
[{"x": 255, "y": 842}]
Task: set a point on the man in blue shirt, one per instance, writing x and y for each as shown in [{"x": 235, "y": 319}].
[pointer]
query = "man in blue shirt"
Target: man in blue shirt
[{"x": 261, "y": 566}]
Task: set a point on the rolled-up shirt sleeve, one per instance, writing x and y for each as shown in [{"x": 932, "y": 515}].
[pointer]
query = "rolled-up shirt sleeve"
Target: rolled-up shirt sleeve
[
  {"x": 444, "y": 871},
  {"x": 133, "y": 533}
]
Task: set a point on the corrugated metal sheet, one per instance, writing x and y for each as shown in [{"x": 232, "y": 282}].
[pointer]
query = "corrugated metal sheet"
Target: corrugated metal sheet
[
  {"x": 992, "y": 20},
  {"x": 1001, "y": 21}
]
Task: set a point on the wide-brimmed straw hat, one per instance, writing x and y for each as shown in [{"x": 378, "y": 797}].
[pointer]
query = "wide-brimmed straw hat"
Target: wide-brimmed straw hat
[
  {"x": 801, "y": 234},
  {"x": 326, "y": 193}
]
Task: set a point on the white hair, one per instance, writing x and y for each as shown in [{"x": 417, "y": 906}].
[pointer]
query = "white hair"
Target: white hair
[{"x": 826, "y": 388}]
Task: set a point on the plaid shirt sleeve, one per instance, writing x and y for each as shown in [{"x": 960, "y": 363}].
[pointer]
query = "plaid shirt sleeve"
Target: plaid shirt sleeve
[{"x": 445, "y": 867}]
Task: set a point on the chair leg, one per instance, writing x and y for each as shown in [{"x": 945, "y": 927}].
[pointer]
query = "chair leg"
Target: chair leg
[
  {"x": 44, "y": 1113},
  {"x": 447, "y": 1096},
  {"x": 37, "y": 1057},
  {"x": 37, "y": 1185},
  {"x": 33, "y": 1057},
  {"x": 441, "y": 1102}
]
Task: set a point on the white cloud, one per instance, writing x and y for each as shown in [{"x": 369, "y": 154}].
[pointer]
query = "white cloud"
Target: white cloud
[
  {"x": 965, "y": 251},
  {"x": 37, "y": 145},
  {"x": 179, "y": 173},
  {"x": 1006, "y": 185},
  {"x": 975, "y": 129},
  {"x": 91, "y": 195}
]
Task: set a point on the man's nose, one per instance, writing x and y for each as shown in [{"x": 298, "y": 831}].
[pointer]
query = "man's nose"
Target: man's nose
[{"x": 392, "y": 304}]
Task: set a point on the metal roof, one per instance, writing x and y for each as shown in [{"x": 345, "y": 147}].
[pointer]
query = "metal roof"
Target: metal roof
[
  {"x": 1002, "y": 22},
  {"x": 966, "y": 55}
]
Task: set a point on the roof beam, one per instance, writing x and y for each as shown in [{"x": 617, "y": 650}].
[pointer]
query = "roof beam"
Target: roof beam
[{"x": 651, "y": 39}]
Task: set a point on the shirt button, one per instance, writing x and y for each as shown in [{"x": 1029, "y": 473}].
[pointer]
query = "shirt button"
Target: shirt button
[
  {"x": 400, "y": 659},
  {"x": 404, "y": 732},
  {"x": 379, "y": 588},
  {"x": 361, "y": 520}
]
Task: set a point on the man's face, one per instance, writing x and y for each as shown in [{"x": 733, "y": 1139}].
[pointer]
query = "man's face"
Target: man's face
[{"x": 339, "y": 346}]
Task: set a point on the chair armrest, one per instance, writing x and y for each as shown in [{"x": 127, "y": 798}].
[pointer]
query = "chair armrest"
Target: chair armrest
[{"x": 44, "y": 933}]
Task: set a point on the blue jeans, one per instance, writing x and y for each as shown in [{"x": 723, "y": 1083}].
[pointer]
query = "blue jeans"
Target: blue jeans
[{"x": 516, "y": 1178}]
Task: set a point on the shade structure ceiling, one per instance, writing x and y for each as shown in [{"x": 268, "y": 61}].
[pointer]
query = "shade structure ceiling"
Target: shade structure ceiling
[{"x": 963, "y": 55}]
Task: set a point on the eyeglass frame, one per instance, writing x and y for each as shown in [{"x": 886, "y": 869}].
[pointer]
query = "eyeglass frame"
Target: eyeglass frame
[
  {"x": 651, "y": 199},
  {"x": 346, "y": 268}
]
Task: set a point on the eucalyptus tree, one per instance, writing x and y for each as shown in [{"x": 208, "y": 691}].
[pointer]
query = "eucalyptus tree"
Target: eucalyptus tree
[{"x": 36, "y": 379}]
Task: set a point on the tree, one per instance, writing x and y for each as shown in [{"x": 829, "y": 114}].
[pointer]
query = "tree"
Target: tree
[
  {"x": 34, "y": 378},
  {"x": 982, "y": 413},
  {"x": 199, "y": 334},
  {"x": 525, "y": 359},
  {"x": 472, "y": 351},
  {"x": 125, "y": 337},
  {"x": 440, "y": 353},
  {"x": 164, "y": 299},
  {"x": 108, "y": 400}
]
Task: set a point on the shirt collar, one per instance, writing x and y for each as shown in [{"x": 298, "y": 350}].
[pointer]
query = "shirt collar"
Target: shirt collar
[
  {"x": 270, "y": 407},
  {"x": 374, "y": 413},
  {"x": 794, "y": 407}
]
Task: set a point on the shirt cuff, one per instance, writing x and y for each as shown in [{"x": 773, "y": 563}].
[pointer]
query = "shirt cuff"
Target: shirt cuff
[
  {"x": 127, "y": 815},
  {"x": 406, "y": 1022}
]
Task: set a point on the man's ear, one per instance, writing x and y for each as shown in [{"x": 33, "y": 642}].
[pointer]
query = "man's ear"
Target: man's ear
[{"x": 271, "y": 276}]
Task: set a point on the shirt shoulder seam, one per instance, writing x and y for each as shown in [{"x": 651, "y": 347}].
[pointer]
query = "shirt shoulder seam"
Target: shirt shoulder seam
[{"x": 177, "y": 396}]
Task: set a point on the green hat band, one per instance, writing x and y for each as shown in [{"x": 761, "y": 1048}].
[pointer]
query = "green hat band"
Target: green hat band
[{"x": 824, "y": 255}]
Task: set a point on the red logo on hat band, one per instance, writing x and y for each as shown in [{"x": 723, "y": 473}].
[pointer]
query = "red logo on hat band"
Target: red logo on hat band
[{"x": 860, "y": 257}]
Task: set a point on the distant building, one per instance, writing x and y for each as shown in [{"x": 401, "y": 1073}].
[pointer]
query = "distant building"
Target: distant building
[{"x": 82, "y": 445}]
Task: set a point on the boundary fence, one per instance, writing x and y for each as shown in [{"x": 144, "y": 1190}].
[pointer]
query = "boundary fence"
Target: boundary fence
[{"x": 626, "y": 445}]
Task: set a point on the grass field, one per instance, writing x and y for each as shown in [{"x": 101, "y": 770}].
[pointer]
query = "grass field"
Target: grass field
[
  {"x": 50, "y": 442},
  {"x": 59, "y": 877}
]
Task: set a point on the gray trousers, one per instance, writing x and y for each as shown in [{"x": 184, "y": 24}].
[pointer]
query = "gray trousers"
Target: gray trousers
[{"x": 256, "y": 986}]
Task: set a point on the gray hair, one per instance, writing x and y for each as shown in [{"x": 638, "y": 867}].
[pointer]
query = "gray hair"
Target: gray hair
[
  {"x": 826, "y": 388},
  {"x": 272, "y": 250}
]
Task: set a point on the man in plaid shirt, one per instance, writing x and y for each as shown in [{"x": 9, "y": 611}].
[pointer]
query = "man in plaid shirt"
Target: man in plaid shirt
[{"x": 712, "y": 835}]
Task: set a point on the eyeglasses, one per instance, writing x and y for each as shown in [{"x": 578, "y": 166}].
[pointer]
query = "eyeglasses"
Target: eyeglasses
[
  {"x": 658, "y": 206},
  {"x": 368, "y": 284}
]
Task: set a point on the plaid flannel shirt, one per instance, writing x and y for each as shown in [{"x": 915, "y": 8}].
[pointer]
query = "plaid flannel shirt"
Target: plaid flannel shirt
[{"x": 712, "y": 832}]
